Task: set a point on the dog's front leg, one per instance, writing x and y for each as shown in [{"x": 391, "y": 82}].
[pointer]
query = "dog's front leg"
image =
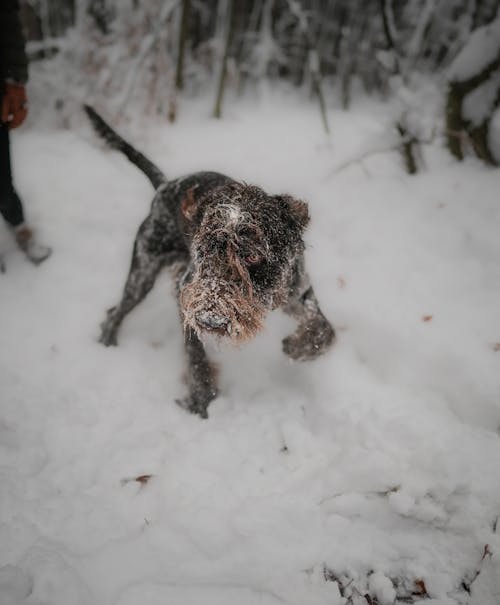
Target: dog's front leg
[
  {"x": 200, "y": 377},
  {"x": 314, "y": 334}
]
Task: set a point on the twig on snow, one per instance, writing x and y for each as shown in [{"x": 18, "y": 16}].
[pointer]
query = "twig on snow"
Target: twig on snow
[
  {"x": 467, "y": 583},
  {"x": 404, "y": 140}
]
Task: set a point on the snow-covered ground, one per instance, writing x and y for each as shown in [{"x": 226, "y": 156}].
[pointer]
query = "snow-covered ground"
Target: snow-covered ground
[{"x": 377, "y": 465}]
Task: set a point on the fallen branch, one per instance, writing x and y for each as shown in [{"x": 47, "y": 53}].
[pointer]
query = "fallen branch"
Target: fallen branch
[
  {"x": 367, "y": 154},
  {"x": 406, "y": 139}
]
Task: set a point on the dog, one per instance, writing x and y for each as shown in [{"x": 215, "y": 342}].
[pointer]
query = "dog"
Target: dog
[{"x": 236, "y": 253}]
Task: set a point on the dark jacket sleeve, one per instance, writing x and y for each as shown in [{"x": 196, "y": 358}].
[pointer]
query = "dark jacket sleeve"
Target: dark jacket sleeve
[{"x": 13, "y": 60}]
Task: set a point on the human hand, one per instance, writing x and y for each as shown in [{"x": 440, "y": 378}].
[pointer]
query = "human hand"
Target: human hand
[{"x": 14, "y": 105}]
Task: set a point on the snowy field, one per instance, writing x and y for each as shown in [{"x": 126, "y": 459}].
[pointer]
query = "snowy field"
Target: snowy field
[{"x": 374, "y": 470}]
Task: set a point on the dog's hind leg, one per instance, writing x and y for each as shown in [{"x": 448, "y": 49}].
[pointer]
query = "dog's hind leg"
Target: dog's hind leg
[
  {"x": 141, "y": 278},
  {"x": 155, "y": 247}
]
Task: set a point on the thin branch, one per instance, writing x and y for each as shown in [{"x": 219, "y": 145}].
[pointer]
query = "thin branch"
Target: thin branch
[
  {"x": 415, "y": 43},
  {"x": 367, "y": 154},
  {"x": 467, "y": 583},
  {"x": 147, "y": 46},
  {"x": 397, "y": 146}
]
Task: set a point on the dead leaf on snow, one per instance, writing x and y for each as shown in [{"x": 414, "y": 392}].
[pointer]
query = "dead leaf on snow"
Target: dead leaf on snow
[
  {"x": 420, "y": 588},
  {"x": 142, "y": 479}
]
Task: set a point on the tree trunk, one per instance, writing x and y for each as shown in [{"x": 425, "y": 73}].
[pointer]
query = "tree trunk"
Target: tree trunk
[
  {"x": 480, "y": 137},
  {"x": 407, "y": 149},
  {"x": 455, "y": 126},
  {"x": 318, "y": 87},
  {"x": 179, "y": 72},
  {"x": 227, "y": 46}
]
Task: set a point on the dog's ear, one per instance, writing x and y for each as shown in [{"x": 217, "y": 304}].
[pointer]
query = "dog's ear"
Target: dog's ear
[
  {"x": 188, "y": 205},
  {"x": 299, "y": 209}
]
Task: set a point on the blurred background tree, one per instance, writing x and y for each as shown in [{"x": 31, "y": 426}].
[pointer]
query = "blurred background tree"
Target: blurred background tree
[{"x": 142, "y": 57}]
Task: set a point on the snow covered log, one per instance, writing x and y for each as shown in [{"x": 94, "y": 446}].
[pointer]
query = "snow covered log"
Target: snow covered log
[{"x": 474, "y": 94}]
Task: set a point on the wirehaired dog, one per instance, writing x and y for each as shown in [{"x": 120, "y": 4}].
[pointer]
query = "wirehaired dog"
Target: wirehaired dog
[{"x": 236, "y": 253}]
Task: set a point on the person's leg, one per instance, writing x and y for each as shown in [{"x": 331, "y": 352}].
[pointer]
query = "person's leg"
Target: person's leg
[{"x": 11, "y": 207}]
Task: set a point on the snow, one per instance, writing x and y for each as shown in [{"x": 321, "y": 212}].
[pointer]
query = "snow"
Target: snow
[
  {"x": 378, "y": 461},
  {"x": 382, "y": 588},
  {"x": 14, "y": 585},
  {"x": 482, "y": 48}
]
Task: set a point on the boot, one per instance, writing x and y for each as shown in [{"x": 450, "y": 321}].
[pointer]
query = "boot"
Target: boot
[{"x": 26, "y": 241}]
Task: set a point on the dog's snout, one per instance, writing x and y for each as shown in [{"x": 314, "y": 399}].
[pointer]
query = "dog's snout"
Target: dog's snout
[{"x": 212, "y": 321}]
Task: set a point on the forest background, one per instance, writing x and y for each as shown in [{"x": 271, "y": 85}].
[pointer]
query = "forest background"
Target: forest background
[{"x": 436, "y": 61}]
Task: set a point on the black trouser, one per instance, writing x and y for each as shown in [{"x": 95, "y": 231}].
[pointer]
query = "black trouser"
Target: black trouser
[{"x": 10, "y": 204}]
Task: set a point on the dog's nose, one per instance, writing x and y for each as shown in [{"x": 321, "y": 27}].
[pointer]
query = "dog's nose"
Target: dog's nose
[{"x": 212, "y": 321}]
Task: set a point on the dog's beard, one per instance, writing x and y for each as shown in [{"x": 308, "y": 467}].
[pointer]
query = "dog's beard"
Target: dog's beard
[{"x": 238, "y": 305}]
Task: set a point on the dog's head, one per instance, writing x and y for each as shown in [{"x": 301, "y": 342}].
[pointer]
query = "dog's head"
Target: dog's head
[{"x": 244, "y": 247}]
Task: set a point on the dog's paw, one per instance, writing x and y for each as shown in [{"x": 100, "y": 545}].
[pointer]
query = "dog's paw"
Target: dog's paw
[
  {"x": 108, "y": 338},
  {"x": 109, "y": 329},
  {"x": 310, "y": 341},
  {"x": 194, "y": 406},
  {"x": 198, "y": 400},
  {"x": 109, "y": 332}
]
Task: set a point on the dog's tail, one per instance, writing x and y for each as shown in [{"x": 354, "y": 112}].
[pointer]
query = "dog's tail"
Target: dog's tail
[{"x": 114, "y": 140}]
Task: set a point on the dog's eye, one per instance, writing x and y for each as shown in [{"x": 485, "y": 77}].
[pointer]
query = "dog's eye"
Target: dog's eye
[{"x": 253, "y": 259}]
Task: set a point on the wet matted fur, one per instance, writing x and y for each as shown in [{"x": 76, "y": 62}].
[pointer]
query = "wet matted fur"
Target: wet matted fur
[{"x": 236, "y": 253}]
